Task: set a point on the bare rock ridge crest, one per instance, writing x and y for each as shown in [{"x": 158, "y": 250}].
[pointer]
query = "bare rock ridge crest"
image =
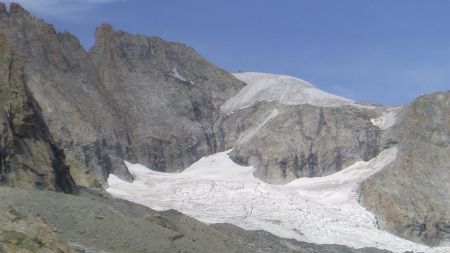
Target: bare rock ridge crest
[{"x": 69, "y": 117}]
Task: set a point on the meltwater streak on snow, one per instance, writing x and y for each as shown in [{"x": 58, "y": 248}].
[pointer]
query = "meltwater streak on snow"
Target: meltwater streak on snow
[
  {"x": 284, "y": 89},
  {"x": 320, "y": 210}
]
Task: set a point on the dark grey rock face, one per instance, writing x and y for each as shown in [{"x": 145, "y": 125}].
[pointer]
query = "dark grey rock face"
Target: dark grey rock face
[
  {"x": 62, "y": 80},
  {"x": 131, "y": 98},
  {"x": 29, "y": 157},
  {"x": 285, "y": 142},
  {"x": 411, "y": 196}
]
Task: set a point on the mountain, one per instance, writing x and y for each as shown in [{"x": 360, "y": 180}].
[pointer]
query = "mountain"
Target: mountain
[
  {"x": 76, "y": 122},
  {"x": 287, "y": 129},
  {"x": 325, "y": 208},
  {"x": 284, "y": 140},
  {"x": 130, "y": 98}
]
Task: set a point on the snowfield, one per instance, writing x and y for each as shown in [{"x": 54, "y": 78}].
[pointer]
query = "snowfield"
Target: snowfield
[
  {"x": 321, "y": 210},
  {"x": 283, "y": 89}
]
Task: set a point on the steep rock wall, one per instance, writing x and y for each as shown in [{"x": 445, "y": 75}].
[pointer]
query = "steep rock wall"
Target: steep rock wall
[
  {"x": 131, "y": 98},
  {"x": 285, "y": 142},
  {"x": 29, "y": 157},
  {"x": 411, "y": 197}
]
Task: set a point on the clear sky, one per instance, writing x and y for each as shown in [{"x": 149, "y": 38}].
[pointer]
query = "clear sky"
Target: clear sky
[{"x": 382, "y": 51}]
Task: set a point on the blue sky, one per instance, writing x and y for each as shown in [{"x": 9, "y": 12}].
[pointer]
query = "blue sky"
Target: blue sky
[{"x": 383, "y": 51}]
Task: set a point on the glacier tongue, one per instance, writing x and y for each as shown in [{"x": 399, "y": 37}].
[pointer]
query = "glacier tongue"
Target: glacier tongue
[{"x": 320, "y": 210}]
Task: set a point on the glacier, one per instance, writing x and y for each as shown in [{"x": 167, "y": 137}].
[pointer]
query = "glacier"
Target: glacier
[{"x": 322, "y": 210}]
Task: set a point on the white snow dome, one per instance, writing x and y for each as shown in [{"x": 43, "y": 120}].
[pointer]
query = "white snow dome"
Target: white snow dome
[{"x": 283, "y": 89}]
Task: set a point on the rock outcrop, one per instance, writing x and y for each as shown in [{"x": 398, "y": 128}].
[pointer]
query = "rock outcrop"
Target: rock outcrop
[
  {"x": 411, "y": 196},
  {"x": 29, "y": 157}
]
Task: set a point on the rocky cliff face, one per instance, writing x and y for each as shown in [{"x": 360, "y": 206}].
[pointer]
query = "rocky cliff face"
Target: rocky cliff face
[
  {"x": 308, "y": 141},
  {"x": 169, "y": 96},
  {"x": 29, "y": 157},
  {"x": 130, "y": 98},
  {"x": 411, "y": 196},
  {"x": 62, "y": 80}
]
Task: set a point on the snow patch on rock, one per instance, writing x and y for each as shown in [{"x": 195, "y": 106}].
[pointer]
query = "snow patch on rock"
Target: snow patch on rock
[
  {"x": 322, "y": 210},
  {"x": 177, "y": 75},
  {"x": 387, "y": 118}
]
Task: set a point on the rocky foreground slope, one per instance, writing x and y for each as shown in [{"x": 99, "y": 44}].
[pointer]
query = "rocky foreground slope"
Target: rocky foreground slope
[
  {"x": 20, "y": 232},
  {"x": 70, "y": 117},
  {"x": 91, "y": 223}
]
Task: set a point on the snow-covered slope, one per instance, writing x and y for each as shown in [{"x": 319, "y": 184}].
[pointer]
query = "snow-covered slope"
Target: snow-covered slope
[
  {"x": 284, "y": 89},
  {"x": 320, "y": 210}
]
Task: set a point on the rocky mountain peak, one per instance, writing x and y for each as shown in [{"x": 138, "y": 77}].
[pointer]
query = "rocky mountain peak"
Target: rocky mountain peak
[
  {"x": 104, "y": 26},
  {"x": 102, "y": 31},
  {"x": 16, "y": 8},
  {"x": 132, "y": 97},
  {"x": 3, "y": 8}
]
